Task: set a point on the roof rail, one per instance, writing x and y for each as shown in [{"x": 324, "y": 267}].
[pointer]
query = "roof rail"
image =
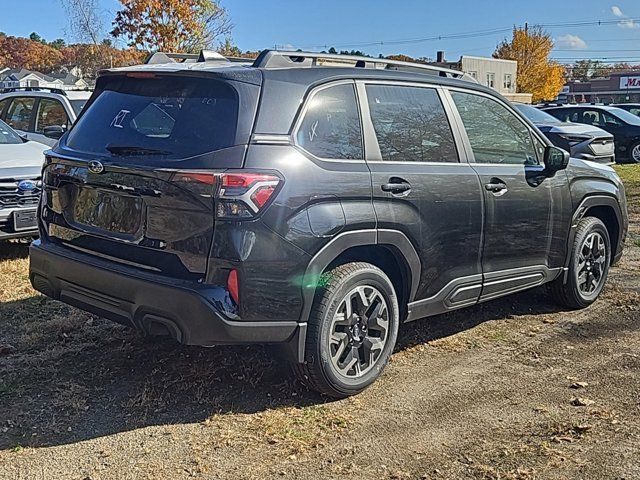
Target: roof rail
[
  {"x": 59, "y": 91},
  {"x": 291, "y": 59},
  {"x": 203, "y": 56}
]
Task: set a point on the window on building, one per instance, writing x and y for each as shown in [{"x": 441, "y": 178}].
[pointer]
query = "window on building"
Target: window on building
[
  {"x": 331, "y": 124},
  {"x": 410, "y": 124},
  {"x": 491, "y": 80},
  {"x": 473, "y": 74},
  {"x": 507, "y": 84}
]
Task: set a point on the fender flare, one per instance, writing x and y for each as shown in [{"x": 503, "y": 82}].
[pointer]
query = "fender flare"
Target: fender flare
[
  {"x": 334, "y": 248},
  {"x": 596, "y": 200}
]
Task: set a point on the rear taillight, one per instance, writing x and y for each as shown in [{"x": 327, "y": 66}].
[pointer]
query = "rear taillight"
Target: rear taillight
[
  {"x": 243, "y": 195},
  {"x": 232, "y": 286},
  {"x": 239, "y": 195}
]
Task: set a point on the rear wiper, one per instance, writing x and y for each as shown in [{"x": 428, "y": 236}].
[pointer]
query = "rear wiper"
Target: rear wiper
[{"x": 135, "y": 150}]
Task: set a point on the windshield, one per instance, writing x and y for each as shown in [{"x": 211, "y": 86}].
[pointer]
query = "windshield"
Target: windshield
[
  {"x": 173, "y": 117},
  {"x": 77, "y": 105},
  {"x": 8, "y": 136},
  {"x": 625, "y": 116},
  {"x": 535, "y": 115}
]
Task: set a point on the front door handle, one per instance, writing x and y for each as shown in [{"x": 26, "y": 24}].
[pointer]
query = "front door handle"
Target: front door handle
[
  {"x": 496, "y": 187},
  {"x": 396, "y": 188}
]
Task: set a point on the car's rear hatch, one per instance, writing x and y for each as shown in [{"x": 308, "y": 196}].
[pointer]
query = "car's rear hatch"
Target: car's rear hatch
[{"x": 131, "y": 181}]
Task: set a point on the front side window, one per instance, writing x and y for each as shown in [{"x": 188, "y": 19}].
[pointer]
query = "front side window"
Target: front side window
[
  {"x": 331, "y": 124},
  {"x": 50, "y": 113},
  {"x": 410, "y": 124},
  {"x": 496, "y": 134},
  {"x": 19, "y": 113}
]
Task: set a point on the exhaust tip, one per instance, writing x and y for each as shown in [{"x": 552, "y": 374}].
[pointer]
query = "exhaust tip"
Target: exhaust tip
[{"x": 156, "y": 326}]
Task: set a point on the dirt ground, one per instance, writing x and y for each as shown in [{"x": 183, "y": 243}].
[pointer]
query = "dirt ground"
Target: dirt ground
[{"x": 511, "y": 389}]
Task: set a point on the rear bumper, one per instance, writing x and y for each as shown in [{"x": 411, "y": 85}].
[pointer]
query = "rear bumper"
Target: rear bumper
[{"x": 193, "y": 314}]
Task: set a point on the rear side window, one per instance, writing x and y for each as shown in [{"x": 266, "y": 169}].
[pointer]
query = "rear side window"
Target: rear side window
[
  {"x": 410, "y": 124},
  {"x": 174, "y": 117},
  {"x": 495, "y": 133},
  {"x": 331, "y": 124},
  {"x": 19, "y": 113},
  {"x": 50, "y": 113}
]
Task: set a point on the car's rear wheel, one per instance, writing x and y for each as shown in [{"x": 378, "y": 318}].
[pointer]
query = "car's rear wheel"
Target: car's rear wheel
[
  {"x": 589, "y": 266},
  {"x": 352, "y": 330}
]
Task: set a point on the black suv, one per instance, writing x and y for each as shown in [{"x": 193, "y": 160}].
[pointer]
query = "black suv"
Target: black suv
[
  {"x": 314, "y": 201},
  {"x": 624, "y": 126}
]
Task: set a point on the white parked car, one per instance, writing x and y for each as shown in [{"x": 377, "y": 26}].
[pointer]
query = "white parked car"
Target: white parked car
[
  {"x": 20, "y": 185},
  {"x": 40, "y": 114}
]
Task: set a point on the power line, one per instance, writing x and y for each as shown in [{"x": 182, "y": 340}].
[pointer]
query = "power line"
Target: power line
[{"x": 474, "y": 34}]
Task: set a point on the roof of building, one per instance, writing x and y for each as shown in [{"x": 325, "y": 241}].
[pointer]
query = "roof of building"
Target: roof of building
[{"x": 18, "y": 74}]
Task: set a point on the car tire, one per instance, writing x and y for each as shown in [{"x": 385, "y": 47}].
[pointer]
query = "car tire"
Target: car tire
[
  {"x": 634, "y": 153},
  {"x": 352, "y": 330},
  {"x": 588, "y": 268}
]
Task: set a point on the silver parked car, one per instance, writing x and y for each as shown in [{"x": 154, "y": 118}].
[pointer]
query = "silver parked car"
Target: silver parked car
[
  {"x": 20, "y": 169},
  {"x": 40, "y": 114},
  {"x": 586, "y": 142}
]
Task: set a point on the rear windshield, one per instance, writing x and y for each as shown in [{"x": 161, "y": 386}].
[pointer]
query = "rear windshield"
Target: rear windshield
[{"x": 171, "y": 117}]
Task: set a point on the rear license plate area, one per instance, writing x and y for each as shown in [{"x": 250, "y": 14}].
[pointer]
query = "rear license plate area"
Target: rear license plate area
[{"x": 108, "y": 211}]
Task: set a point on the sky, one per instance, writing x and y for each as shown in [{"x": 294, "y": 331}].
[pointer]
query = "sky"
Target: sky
[{"x": 383, "y": 27}]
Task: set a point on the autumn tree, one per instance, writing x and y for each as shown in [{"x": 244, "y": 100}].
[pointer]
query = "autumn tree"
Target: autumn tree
[
  {"x": 89, "y": 58},
  {"x": 18, "y": 52},
  {"x": 229, "y": 49},
  {"x": 171, "y": 25},
  {"x": 537, "y": 74}
]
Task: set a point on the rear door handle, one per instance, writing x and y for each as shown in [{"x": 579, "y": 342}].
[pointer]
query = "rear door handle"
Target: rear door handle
[
  {"x": 396, "y": 187},
  {"x": 496, "y": 187}
]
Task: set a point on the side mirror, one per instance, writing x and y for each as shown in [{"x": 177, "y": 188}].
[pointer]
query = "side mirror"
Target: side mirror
[
  {"x": 555, "y": 159},
  {"x": 54, "y": 131}
]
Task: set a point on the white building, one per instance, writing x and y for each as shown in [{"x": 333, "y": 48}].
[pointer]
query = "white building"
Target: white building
[
  {"x": 499, "y": 74},
  {"x": 13, "y": 78}
]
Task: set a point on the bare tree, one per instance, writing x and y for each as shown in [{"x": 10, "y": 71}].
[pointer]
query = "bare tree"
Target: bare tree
[
  {"x": 86, "y": 24},
  {"x": 85, "y": 20}
]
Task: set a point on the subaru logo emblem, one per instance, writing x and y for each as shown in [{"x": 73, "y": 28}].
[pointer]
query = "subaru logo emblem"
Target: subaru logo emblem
[
  {"x": 26, "y": 185},
  {"x": 96, "y": 167}
]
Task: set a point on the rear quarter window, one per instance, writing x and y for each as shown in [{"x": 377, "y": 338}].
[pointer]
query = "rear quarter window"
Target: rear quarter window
[
  {"x": 330, "y": 127},
  {"x": 178, "y": 117}
]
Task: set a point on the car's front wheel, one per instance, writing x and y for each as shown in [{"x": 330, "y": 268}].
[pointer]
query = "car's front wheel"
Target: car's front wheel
[
  {"x": 589, "y": 266},
  {"x": 352, "y": 330}
]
